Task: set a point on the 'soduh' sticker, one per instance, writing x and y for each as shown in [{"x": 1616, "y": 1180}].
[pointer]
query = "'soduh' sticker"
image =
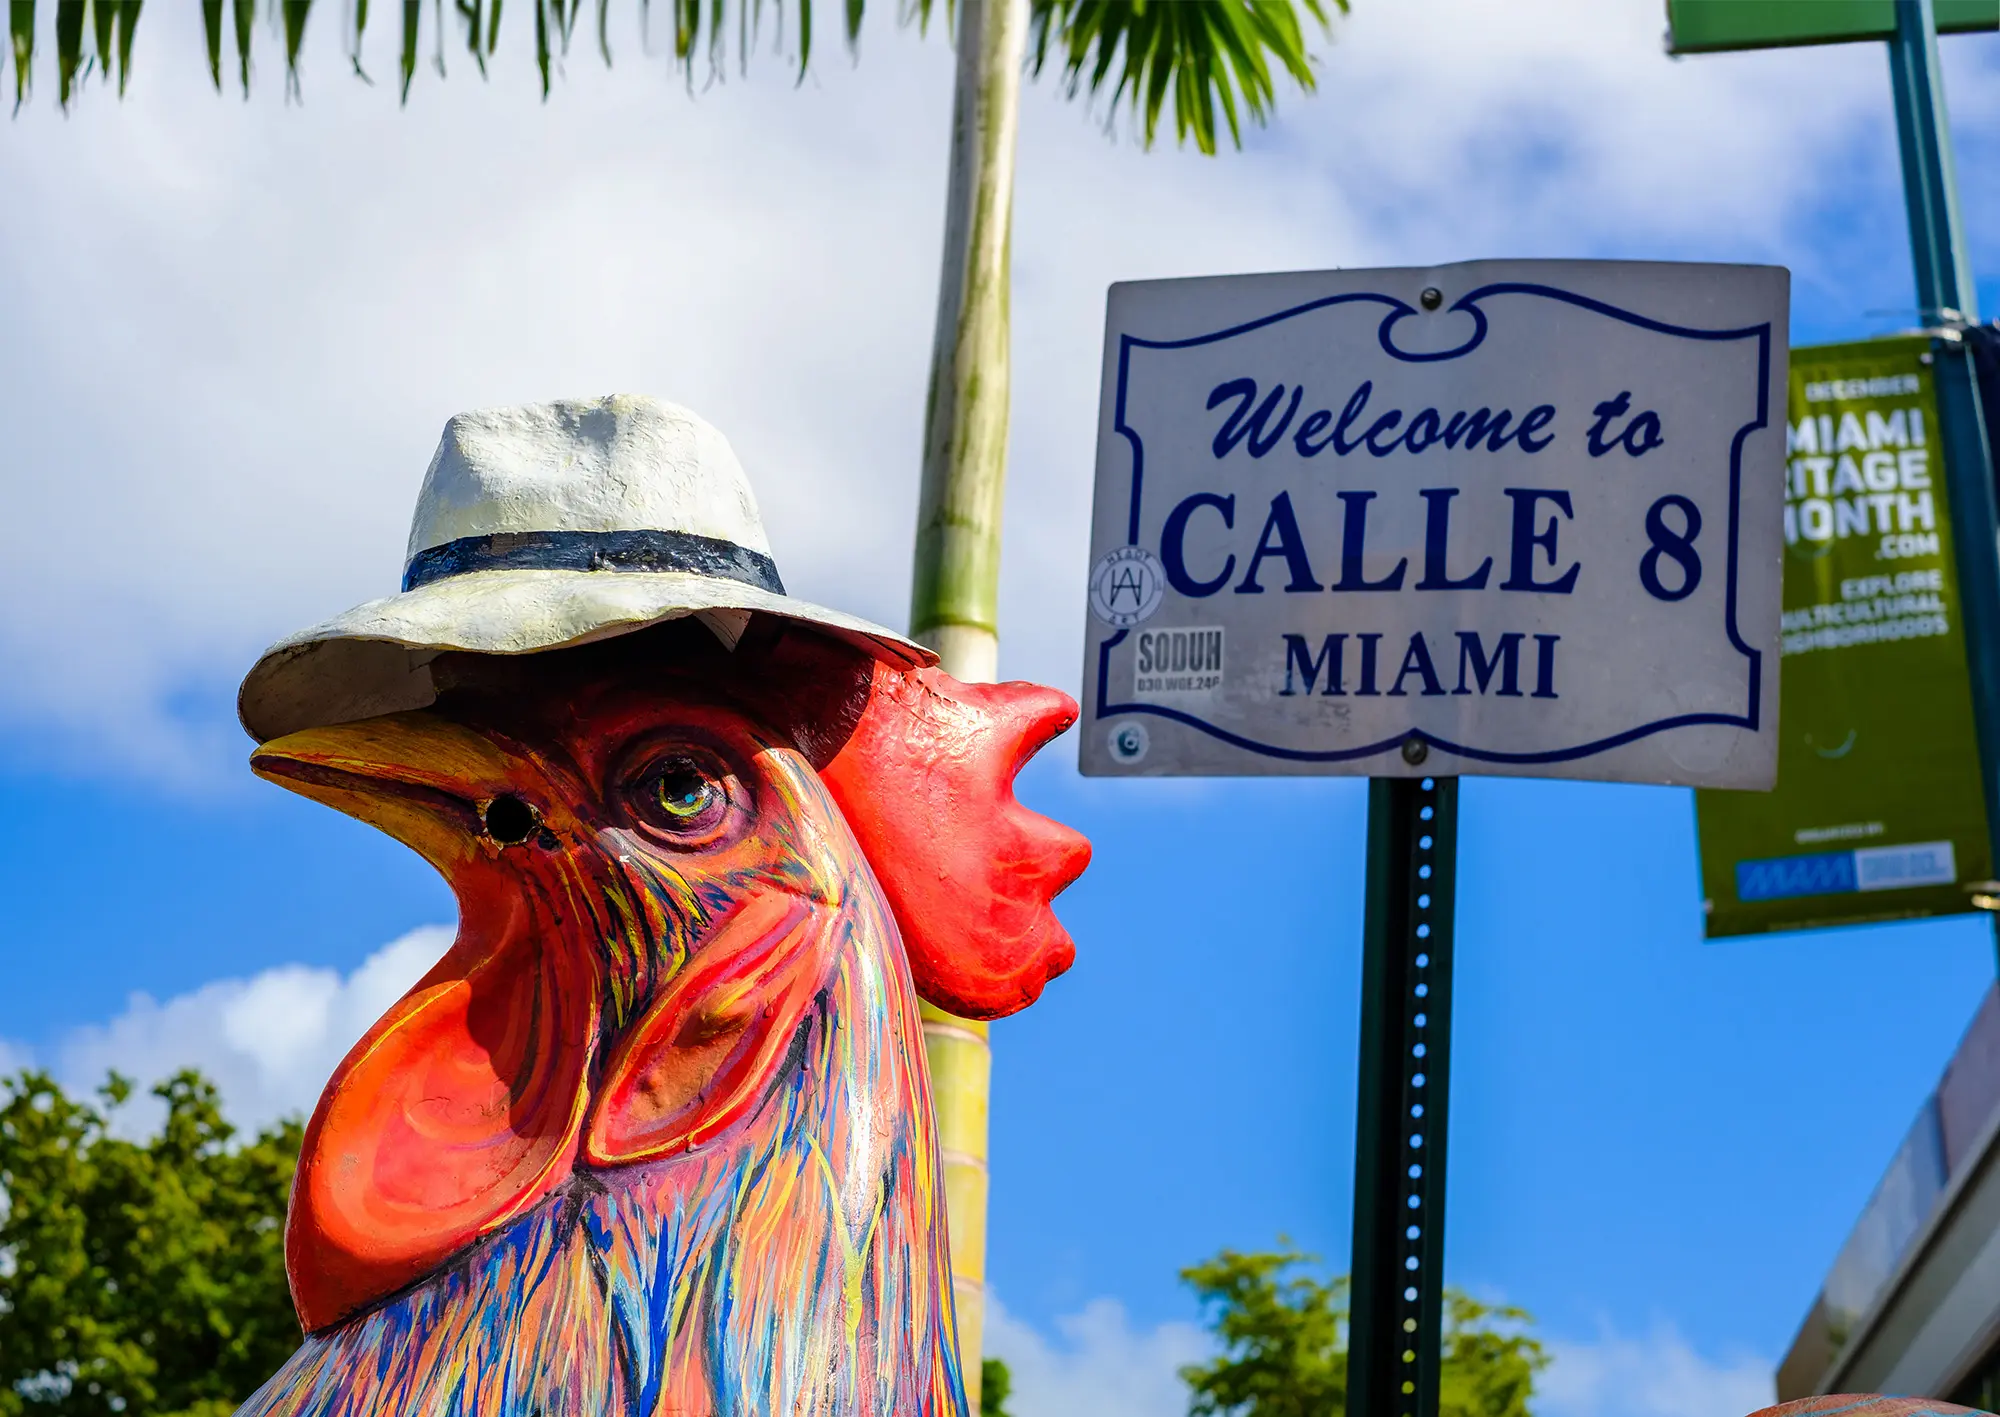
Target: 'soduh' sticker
[{"x": 1177, "y": 661}]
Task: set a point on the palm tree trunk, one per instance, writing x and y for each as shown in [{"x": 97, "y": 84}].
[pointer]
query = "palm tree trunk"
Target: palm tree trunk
[{"x": 955, "y": 593}]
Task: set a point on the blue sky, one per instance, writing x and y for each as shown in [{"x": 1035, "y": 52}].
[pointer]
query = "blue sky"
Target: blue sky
[{"x": 234, "y": 330}]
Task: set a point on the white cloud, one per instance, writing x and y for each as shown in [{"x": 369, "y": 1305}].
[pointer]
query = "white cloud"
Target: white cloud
[
  {"x": 235, "y": 329},
  {"x": 269, "y": 1042},
  {"x": 1097, "y": 1364},
  {"x": 1660, "y": 1375}
]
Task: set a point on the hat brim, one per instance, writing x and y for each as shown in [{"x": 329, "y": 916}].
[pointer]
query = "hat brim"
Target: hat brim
[{"x": 375, "y": 659}]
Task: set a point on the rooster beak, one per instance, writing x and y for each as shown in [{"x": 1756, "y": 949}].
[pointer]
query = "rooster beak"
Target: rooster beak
[
  {"x": 463, "y": 1105},
  {"x": 417, "y": 776}
]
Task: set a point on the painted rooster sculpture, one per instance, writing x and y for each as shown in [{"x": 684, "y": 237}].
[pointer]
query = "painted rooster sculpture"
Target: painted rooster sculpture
[{"x": 654, "y": 1136}]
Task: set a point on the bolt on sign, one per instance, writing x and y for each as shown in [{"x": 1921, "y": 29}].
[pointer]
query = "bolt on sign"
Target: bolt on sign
[
  {"x": 1877, "y": 813},
  {"x": 1516, "y": 517}
]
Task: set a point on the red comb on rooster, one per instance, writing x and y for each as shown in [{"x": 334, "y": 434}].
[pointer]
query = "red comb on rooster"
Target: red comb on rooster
[{"x": 655, "y": 1135}]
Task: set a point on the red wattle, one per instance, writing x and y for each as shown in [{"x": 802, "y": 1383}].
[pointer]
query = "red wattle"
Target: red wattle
[{"x": 459, "y": 1110}]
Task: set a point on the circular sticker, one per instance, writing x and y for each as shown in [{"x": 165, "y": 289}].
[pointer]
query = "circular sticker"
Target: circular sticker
[
  {"x": 1128, "y": 741},
  {"x": 1126, "y": 586}
]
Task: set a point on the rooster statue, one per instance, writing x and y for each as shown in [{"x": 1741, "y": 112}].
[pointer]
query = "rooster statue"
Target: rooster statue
[{"x": 654, "y": 1136}]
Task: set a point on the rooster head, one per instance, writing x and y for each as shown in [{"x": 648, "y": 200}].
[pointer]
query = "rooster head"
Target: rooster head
[{"x": 663, "y": 851}]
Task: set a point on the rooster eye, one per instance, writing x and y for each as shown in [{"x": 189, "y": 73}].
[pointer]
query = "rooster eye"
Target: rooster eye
[{"x": 688, "y": 798}]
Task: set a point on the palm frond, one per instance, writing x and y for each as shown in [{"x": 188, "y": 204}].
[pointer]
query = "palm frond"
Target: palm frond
[
  {"x": 1209, "y": 64},
  {"x": 702, "y": 31},
  {"x": 1206, "y": 55},
  {"x": 110, "y": 24}
]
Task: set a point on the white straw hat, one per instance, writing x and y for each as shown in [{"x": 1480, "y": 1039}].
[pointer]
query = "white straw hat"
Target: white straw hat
[{"x": 541, "y": 527}]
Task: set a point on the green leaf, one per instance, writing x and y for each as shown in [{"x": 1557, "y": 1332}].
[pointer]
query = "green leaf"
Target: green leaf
[
  {"x": 471, "y": 13},
  {"x": 69, "y": 48},
  {"x": 554, "y": 20},
  {"x": 360, "y": 13},
  {"x": 103, "y": 14},
  {"x": 542, "y": 44},
  {"x": 211, "y": 23},
  {"x": 295, "y": 12},
  {"x": 482, "y": 30},
  {"x": 117, "y": 1089},
  {"x": 413, "y": 14},
  {"x": 244, "y": 13},
  {"x": 128, "y": 21},
  {"x": 21, "y": 34}
]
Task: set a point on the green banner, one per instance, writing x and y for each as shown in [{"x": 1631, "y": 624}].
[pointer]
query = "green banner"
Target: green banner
[{"x": 1877, "y": 812}]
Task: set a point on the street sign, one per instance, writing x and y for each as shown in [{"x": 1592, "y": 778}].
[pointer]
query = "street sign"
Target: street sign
[
  {"x": 1878, "y": 812},
  {"x": 1709, "y": 26},
  {"x": 1517, "y": 517}
]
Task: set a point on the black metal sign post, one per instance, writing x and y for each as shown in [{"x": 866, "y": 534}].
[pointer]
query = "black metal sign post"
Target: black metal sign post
[{"x": 1395, "y": 1324}]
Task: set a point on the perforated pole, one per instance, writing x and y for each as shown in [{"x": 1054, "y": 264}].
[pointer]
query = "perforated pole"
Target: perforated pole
[{"x": 1396, "y": 1322}]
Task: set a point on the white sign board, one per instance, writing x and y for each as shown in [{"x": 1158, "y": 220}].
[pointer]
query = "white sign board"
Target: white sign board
[{"x": 1515, "y": 517}]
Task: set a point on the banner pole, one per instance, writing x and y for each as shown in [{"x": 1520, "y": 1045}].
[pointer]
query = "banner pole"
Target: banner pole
[
  {"x": 1395, "y": 1322},
  {"x": 1949, "y": 301}
]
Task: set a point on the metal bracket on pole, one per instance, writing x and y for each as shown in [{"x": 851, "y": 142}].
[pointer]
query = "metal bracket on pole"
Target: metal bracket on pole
[{"x": 1396, "y": 1313}]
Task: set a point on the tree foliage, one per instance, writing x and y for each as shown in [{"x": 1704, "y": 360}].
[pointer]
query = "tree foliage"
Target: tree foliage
[
  {"x": 996, "y": 1385},
  {"x": 1283, "y": 1336},
  {"x": 1191, "y": 59},
  {"x": 145, "y": 1278}
]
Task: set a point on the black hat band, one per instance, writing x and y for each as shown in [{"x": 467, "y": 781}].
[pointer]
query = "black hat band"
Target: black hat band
[{"x": 641, "y": 551}]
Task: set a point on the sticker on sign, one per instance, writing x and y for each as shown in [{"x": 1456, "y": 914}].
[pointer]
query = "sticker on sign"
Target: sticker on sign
[
  {"x": 1518, "y": 517},
  {"x": 1177, "y": 661}
]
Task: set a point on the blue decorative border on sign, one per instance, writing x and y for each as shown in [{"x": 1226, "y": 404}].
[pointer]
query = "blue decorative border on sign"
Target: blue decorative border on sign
[{"x": 1469, "y": 303}]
